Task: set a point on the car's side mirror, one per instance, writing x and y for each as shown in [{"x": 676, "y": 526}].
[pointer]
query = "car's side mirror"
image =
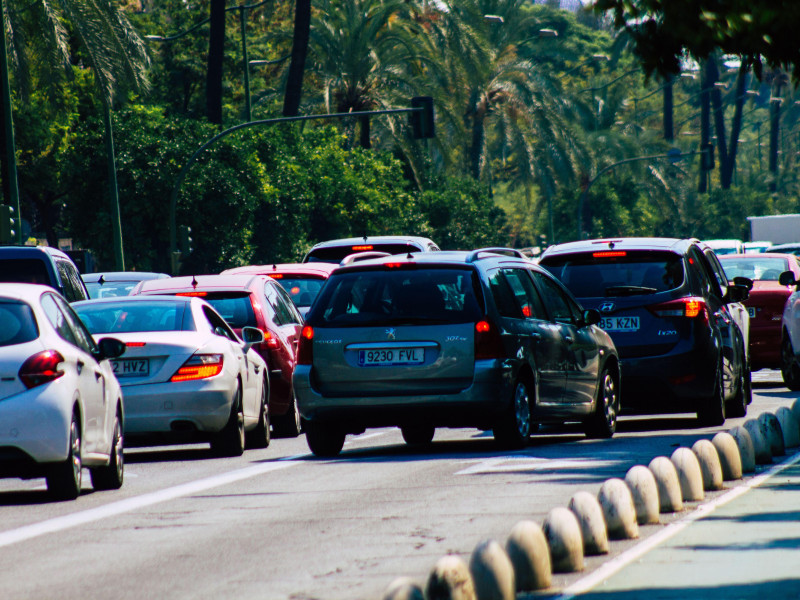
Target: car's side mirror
[
  {"x": 787, "y": 278},
  {"x": 744, "y": 281},
  {"x": 737, "y": 293},
  {"x": 591, "y": 316},
  {"x": 110, "y": 348},
  {"x": 252, "y": 335}
]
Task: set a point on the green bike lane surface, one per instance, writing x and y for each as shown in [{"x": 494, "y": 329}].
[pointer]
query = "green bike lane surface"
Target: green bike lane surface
[{"x": 748, "y": 547}]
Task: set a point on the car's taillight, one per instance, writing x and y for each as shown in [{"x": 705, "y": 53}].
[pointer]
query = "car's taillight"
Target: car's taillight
[
  {"x": 305, "y": 348},
  {"x": 199, "y": 366},
  {"x": 270, "y": 341},
  {"x": 41, "y": 368},
  {"x": 689, "y": 307},
  {"x": 488, "y": 343}
]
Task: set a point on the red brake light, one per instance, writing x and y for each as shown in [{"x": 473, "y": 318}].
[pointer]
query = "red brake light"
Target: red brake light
[
  {"x": 199, "y": 366},
  {"x": 269, "y": 340},
  {"x": 689, "y": 307},
  {"x": 305, "y": 349},
  {"x": 487, "y": 341},
  {"x": 41, "y": 368},
  {"x": 275, "y": 275},
  {"x": 609, "y": 254},
  {"x": 193, "y": 294},
  {"x": 362, "y": 248},
  {"x": 308, "y": 332},
  {"x": 393, "y": 265},
  {"x": 135, "y": 344}
]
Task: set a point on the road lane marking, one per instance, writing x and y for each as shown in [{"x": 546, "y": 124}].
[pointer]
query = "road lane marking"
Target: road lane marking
[
  {"x": 27, "y": 532},
  {"x": 616, "y": 564},
  {"x": 507, "y": 464}
]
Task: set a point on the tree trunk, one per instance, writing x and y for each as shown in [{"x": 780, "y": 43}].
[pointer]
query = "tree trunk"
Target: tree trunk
[
  {"x": 728, "y": 168},
  {"x": 705, "y": 110},
  {"x": 364, "y": 139},
  {"x": 294, "y": 81},
  {"x": 476, "y": 148},
  {"x": 774, "y": 132},
  {"x": 216, "y": 48},
  {"x": 719, "y": 114},
  {"x": 8, "y": 157},
  {"x": 668, "y": 103}
]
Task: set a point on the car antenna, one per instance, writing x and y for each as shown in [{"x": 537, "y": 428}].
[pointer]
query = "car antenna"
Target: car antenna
[
  {"x": 611, "y": 245},
  {"x": 365, "y": 238},
  {"x": 194, "y": 281},
  {"x": 274, "y": 267},
  {"x": 409, "y": 250},
  {"x": 102, "y": 280}
]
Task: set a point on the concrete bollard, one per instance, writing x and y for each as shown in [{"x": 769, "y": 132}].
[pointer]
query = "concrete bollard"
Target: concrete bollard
[
  {"x": 618, "y": 509},
  {"x": 689, "y": 474},
  {"x": 670, "y": 498},
  {"x": 730, "y": 459},
  {"x": 796, "y": 409},
  {"x": 593, "y": 526},
  {"x": 450, "y": 579},
  {"x": 771, "y": 429},
  {"x": 644, "y": 490},
  {"x": 563, "y": 533},
  {"x": 789, "y": 427},
  {"x": 492, "y": 572},
  {"x": 403, "y": 588},
  {"x": 761, "y": 447},
  {"x": 747, "y": 452},
  {"x": 710, "y": 467},
  {"x": 529, "y": 554}
]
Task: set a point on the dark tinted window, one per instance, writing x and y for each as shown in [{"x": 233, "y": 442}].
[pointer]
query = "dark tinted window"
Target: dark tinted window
[
  {"x": 234, "y": 307},
  {"x": 337, "y": 253},
  {"x": 119, "y": 317},
  {"x": 17, "y": 323},
  {"x": 302, "y": 290},
  {"x": 396, "y": 296},
  {"x": 758, "y": 268},
  {"x": 71, "y": 281},
  {"x": 24, "y": 270},
  {"x": 617, "y": 273},
  {"x": 558, "y": 305}
]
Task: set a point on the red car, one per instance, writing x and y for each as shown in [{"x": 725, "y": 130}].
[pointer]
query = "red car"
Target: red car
[
  {"x": 766, "y": 301},
  {"x": 255, "y": 301},
  {"x": 302, "y": 281}
]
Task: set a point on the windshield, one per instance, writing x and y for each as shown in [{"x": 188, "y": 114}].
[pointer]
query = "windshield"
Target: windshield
[
  {"x": 620, "y": 273},
  {"x": 335, "y": 254},
  {"x": 302, "y": 290},
  {"x": 17, "y": 323},
  {"x": 756, "y": 268},
  {"x": 130, "y": 317},
  {"x": 110, "y": 289},
  {"x": 402, "y": 296}
]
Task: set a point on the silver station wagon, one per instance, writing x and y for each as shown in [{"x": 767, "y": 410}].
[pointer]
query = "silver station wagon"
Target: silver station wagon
[{"x": 483, "y": 339}]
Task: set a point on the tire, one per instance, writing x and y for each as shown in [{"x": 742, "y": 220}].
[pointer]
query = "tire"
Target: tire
[
  {"x": 64, "y": 479},
  {"x": 418, "y": 435},
  {"x": 230, "y": 441},
  {"x": 111, "y": 476},
  {"x": 324, "y": 440},
  {"x": 603, "y": 422},
  {"x": 790, "y": 371},
  {"x": 514, "y": 428},
  {"x": 288, "y": 425},
  {"x": 712, "y": 413},
  {"x": 744, "y": 395},
  {"x": 260, "y": 436}
]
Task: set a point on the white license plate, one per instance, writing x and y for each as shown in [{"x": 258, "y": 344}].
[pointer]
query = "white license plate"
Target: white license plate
[
  {"x": 131, "y": 367},
  {"x": 619, "y": 323},
  {"x": 391, "y": 357},
  {"x": 751, "y": 311}
]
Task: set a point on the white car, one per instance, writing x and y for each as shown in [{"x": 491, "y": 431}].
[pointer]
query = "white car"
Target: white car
[
  {"x": 60, "y": 404},
  {"x": 186, "y": 376}
]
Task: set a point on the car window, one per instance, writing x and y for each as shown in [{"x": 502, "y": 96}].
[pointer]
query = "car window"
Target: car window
[
  {"x": 70, "y": 281},
  {"x": 717, "y": 271},
  {"x": 699, "y": 266},
  {"x": 530, "y": 304},
  {"x": 279, "y": 316},
  {"x": 504, "y": 296},
  {"x": 218, "y": 325},
  {"x": 302, "y": 290},
  {"x": 126, "y": 317},
  {"x": 286, "y": 307},
  {"x": 57, "y": 319},
  {"x": 84, "y": 339},
  {"x": 17, "y": 323},
  {"x": 757, "y": 268},
  {"x": 24, "y": 270},
  {"x": 334, "y": 254},
  {"x": 235, "y": 307},
  {"x": 557, "y": 303},
  {"x": 110, "y": 289}
]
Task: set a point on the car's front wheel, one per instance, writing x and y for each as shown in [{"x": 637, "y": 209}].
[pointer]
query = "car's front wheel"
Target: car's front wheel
[
  {"x": 324, "y": 440},
  {"x": 111, "y": 476},
  {"x": 790, "y": 371},
  {"x": 513, "y": 430},
  {"x": 64, "y": 479}
]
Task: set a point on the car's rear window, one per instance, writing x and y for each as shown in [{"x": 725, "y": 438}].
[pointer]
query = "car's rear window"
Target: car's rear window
[
  {"x": 337, "y": 253},
  {"x": 302, "y": 289},
  {"x": 110, "y": 289},
  {"x": 131, "y": 317},
  {"x": 17, "y": 323},
  {"x": 235, "y": 307},
  {"x": 24, "y": 270},
  {"x": 760, "y": 268},
  {"x": 605, "y": 274},
  {"x": 398, "y": 296}
]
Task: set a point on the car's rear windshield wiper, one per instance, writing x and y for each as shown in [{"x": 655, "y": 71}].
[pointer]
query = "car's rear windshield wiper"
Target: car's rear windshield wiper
[{"x": 629, "y": 290}]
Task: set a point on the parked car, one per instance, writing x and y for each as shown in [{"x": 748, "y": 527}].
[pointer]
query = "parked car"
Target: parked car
[
  {"x": 42, "y": 265},
  {"x": 791, "y": 248},
  {"x": 302, "y": 281},
  {"x": 675, "y": 319},
  {"x": 756, "y": 247},
  {"x": 790, "y": 332},
  {"x": 481, "y": 339},
  {"x": 186, "y": 376},
  {"x": 252, "y": 301},
  {"x": 334, "y": 251},
  {"x": 60, "y": 405},
  {"x": 766, "y": 301},
  {"x": 116, "y": 283},
  {"x": 725, "y": 246}
]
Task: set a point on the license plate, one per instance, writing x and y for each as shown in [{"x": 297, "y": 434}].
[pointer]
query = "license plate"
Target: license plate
[
  {"x": 131, "y": 367},
  {"x": 751, "y": 311},
  {"x": 619, "y": 323},
  {"x": 391, "y": 357}
]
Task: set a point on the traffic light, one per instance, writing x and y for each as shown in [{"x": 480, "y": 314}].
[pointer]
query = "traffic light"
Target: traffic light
[
  {"x": 422, "y": 120},
  {"x": 8, "y": 224},
  {"x": 708, "y": 156},
  {"x": 185, "y": 240}
]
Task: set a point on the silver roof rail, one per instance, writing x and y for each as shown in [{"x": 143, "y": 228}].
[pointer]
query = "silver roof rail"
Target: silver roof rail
[{"x": 359, "y": 256}]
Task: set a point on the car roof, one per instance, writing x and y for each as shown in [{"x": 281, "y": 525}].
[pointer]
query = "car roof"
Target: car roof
[
  {"x": 443, "y": 258},
  {"x": 128, "y": 299},
  {"x": 31, "y": 251},
  {"x": 199, "y": 282},
  {"x": 315, "y": 268},
  {"x": 779, "y": 247},
  {"x": 384, "y": 239},
  {"x": 122, "y": 276},
  {"x": 725, "y": 257},
  {"x": 24, "y": 291},
  {"x": 678, "y": 245}
]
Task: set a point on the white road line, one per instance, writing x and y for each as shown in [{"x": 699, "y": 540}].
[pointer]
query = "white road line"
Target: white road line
[
  {"x": 21, "y": 534},
  {"x": 619, "y": 562},
  {"x": 505, "y": 464}
]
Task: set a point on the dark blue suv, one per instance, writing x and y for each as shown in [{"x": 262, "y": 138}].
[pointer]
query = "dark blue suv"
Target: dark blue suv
[{"x": 673, "y": 316}]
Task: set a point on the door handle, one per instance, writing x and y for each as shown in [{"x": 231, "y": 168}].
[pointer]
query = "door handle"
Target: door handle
[{"x": 80, "y": 364}]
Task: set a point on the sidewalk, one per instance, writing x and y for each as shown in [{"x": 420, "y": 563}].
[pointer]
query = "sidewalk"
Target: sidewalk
[{"x": 744, "y": 547}]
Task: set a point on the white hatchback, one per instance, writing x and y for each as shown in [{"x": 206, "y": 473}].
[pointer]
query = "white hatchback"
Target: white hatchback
[{"x": 60, "y": 404}]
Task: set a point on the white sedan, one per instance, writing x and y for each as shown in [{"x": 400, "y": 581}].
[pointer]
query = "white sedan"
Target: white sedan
[
  {"x": 186, "y": 376},
  {"x": 60, "y": 405}
]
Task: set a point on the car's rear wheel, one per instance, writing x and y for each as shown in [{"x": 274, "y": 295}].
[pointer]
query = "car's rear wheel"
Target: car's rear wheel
[
  {"x": 288, "y": 425},
  {"x": 418, "y": 435},
  {"x": 603, "y": 422},
  {"x": 790, "y": 371},
  {"x": 230, "y": 441},
  {"x": 712, "y": 412},
  {"x": 260, "y": 436},
  {"x": 111, "y": 476},
  {"x": 514, "y": 428},
  {"x": 64, "y": 479},
  {"x": 324, "y": 440}
]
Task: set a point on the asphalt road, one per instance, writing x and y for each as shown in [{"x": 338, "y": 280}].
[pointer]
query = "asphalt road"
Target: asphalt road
[{"x": 277, "y": 523}]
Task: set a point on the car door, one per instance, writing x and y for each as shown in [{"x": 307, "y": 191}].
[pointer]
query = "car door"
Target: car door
[
  {"x": 736, "y": 310},
  {"x": 287, "y": 325}
]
